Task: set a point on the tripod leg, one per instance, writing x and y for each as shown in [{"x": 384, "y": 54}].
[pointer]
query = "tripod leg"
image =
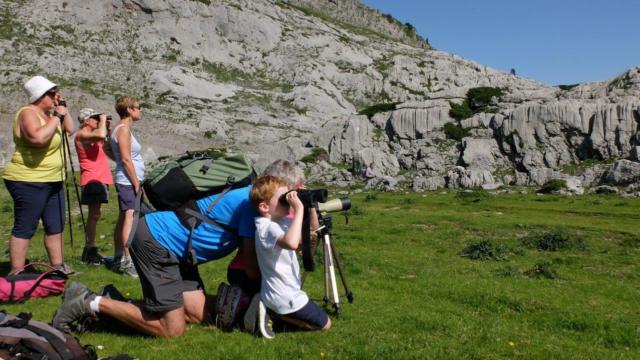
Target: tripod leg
[
  {"x": 332, "y": 274},
  {"x": 325, "y": 262},
  {"x": 343, "y": 278}
]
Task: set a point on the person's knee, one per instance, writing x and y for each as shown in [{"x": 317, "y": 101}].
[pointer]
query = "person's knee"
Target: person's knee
[
  {"x": 174, "y": 329},
  {"x": 327, "y": 325}
]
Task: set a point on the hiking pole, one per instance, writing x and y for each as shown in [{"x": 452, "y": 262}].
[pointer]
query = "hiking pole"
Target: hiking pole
[
  {"x": 66, "y": 186},
  {"x": 75, "y": 185}
]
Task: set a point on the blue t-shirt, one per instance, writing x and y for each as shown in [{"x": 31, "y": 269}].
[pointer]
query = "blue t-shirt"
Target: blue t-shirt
[{"x": 209, "y": 242}]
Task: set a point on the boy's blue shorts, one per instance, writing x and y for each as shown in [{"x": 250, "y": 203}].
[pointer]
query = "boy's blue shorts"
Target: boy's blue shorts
[{"x": 313, "y": 315}]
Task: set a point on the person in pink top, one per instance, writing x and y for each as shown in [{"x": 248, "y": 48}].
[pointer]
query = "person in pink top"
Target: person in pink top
[{"x": 95, "y": 175}]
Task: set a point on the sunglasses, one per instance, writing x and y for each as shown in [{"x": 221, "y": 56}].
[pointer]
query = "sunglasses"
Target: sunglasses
[
  {"x": 51, "y": 93},
  {"x": 137, "y": 107}
]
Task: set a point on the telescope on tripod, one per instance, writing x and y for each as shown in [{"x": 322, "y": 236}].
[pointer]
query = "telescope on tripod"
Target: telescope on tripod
[{"x": 316, "y": 205}]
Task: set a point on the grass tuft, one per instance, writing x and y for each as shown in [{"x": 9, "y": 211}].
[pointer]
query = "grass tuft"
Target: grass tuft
[
  {"x": 554, "y": 240},
  {"x": 542, "y": 270},
  {"x": 485, "y": 250}
]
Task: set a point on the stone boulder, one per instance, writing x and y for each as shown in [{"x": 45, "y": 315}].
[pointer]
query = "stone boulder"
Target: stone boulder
[{"x": 622, "y": 172}]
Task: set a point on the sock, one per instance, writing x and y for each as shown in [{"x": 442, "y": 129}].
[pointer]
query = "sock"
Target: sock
[{"x": 95, "y": 304}]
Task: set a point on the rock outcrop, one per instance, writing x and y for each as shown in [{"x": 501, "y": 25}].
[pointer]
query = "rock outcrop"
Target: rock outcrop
[{"x": 279, "y": 78}]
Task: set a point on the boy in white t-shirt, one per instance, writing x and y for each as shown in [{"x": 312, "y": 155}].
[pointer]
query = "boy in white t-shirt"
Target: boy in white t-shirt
[{"x": 277, "y": 238}]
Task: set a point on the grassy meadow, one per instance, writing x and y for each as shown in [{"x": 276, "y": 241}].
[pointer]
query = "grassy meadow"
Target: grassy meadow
[{"x": 434, "y": 275}]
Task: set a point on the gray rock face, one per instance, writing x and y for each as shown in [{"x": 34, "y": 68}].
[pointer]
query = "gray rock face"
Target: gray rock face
[
  {"x": 274, "y": 79},
  {"x": 623, "y": 172}
]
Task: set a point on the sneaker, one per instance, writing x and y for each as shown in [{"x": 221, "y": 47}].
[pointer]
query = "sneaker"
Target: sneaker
[
  {"x": 75, "y": 305},
  {"x": 251, "y": 316},
  {"x": 127, "y": 267},
  {"x": 91, "y": 256},
  {"x": 264, "y": 322},
  {"x": 66, "y": 269}
]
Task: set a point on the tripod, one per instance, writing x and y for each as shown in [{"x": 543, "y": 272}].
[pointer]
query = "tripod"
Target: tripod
[{"x": 330, "y": 262}]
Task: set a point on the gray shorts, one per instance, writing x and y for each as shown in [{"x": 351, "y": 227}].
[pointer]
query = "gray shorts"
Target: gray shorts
[
  {"x": 126, "y": 197},
  {"x": 162, "y": 276}
]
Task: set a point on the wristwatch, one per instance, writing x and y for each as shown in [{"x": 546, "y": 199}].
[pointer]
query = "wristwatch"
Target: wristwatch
[{"x": 58, "y": 115}]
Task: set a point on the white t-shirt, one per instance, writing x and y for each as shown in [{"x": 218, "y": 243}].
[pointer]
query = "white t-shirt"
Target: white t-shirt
[{"x": 280, "y": 288}]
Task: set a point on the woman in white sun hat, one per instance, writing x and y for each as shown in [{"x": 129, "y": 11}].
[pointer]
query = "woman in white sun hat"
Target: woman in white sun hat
[{"x": 35, "y": 175}]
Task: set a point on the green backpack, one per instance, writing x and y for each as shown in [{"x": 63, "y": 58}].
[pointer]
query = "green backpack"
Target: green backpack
[
  {"x": 195, "y": 176},
  {"x": 177, "y": 184}
]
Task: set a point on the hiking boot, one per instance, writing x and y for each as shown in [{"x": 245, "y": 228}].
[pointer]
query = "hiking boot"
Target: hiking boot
[
  {"x": 264, "y": 322},
  {"x": 91, "y": 256},
  {"x": 251, "y": 316},
  {"x": 127, "y": 267},
  {"x": 75, "y": 305}
]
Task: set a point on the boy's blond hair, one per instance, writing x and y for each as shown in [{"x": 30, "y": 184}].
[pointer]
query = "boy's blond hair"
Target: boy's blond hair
[
  {"x": 125, "y": 102},
  {"x": 264, "y": 188}
]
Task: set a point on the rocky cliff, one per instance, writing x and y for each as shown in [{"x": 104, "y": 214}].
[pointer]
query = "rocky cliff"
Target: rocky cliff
[{"x": 288, "y": 79}]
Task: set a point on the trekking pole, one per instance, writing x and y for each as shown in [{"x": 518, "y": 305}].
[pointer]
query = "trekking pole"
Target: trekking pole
[
  {"x": 66, "y": 186},
  {"x": 75, "y": 185}
]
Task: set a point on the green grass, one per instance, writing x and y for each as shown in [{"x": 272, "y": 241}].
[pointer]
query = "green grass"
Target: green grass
[{"x": 417, "y": 298}]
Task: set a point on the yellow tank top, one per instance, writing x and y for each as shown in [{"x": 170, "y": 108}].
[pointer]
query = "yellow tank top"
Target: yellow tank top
[{"x": 35, "y": 164}]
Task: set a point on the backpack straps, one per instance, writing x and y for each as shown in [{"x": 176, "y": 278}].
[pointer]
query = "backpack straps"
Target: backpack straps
[{"x": 196, "y": 218}]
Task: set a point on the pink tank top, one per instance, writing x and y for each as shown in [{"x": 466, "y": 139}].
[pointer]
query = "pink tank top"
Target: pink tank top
[{"x": 94, "y": 164}]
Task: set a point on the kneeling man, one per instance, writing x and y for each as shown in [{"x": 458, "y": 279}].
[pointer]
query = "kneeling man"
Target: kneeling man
[{"x": 171, "y": 285}]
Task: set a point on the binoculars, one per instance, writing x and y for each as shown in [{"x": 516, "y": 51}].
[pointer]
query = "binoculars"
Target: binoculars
[{"x": 318, "y": 198}]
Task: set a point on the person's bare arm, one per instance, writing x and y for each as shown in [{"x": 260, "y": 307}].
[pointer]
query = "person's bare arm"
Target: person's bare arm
[
  {"x": 250, "y": 259},
  {"x": 124, "y": 143},
  {"x": 291, "y": 239},
  {"x": 89, "y": 136},
  {"x": 32, "y": 131}
]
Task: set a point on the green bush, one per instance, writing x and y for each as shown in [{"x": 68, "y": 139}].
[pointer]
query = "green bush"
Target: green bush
[
  {"x": 480, "y": 97},
  {"x": 374, "y": 109},
  {"x": 477, "y": 101},
  {"x": 567, "y": 87},
  {"x": 553, "y": 186},
  {"x": 543, "y": 269},
  {"x": 554, "y": 240},
  {"x": 460, "y": 111},
  {"x": 455, "y": 131},
  {"x": 485, "y": 250},
  {"x": 316, "y": 155}
]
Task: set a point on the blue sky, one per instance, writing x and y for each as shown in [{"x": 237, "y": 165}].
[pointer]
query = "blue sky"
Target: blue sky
[{"x": 553, "y": 42}]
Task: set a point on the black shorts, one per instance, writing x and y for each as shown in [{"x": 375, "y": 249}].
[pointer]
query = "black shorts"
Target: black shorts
[
  {"x": 94, "y": 192},
  {"x": 162, "y": 276}
]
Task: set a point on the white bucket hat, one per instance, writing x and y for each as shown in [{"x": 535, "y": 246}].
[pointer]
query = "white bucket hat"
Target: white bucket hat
[
  {"x": 87, "y": 113},
  {"x": 37, "y": 86}
]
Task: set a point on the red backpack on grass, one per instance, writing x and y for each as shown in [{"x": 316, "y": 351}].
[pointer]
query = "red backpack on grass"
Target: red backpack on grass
[{"x": 24, "y": 285}]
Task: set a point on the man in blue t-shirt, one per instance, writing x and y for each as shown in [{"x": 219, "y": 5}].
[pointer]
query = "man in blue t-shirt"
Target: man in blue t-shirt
[{"x": 171, "y": 285}]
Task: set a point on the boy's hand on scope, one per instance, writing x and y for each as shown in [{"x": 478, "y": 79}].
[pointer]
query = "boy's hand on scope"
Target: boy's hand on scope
[{"x": 294, "y": 201}]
